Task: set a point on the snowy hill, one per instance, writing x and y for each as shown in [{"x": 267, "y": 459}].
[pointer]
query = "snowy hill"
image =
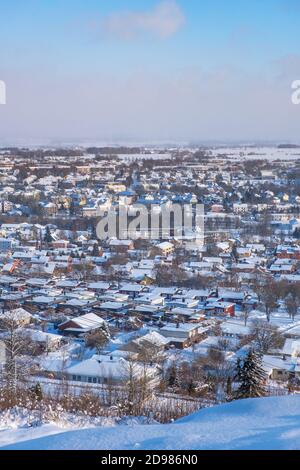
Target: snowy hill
[{"x": 268, "y": 423}]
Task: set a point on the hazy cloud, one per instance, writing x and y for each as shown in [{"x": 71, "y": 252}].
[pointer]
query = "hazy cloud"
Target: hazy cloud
[
  {"x": 288, "y": 67},
  {"x": 163, "y": 21},
  {"x": 220, "y": 104}
]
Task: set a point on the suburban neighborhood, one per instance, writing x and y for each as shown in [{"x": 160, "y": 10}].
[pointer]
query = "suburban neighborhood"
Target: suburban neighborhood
[{"x": 162, "y": 317}]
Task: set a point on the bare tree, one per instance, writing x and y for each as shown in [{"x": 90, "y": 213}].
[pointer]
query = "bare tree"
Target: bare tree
[
  {"x": 131, "y": 379},
  {"x": 268, "y": 299},
  {"x": 219, "y": 371},
  {"x": 292, "y": 299},
  {"x": 266, "y": 336},
  {"x": 15, "y": 344},
  {"x": 246, "y": 313},
  {"x": 84, "y": 269},
  {"x": 97, "y": 339}
]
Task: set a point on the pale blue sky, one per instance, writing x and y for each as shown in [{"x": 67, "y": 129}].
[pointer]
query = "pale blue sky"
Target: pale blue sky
[{"x": 149, "y": 70}]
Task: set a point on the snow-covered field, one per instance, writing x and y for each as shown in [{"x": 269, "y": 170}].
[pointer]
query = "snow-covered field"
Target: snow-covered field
[
  {"x": 258, "y": 153},
  {"x": 268, "y": 423}
]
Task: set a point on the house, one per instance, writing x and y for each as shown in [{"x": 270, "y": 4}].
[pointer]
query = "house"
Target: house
[
  {"x": 132, "y": 290},
  {"x": 99, "y": 287},
  {"x": 244, "y": 252},
  {"x": 127, "y": 197},
  {"x": 67, "y": 284},
  {"x": 212, "y": 260},
  {"x": 208, "y": 344},
  {"x": 44, "y": 300},
  {"x": 46, "y": 341},
  {"x": 151, "y": 341},
  {"x": 220, "y": 308},
  {"x": 243, "y": 267},
  {"x": 6, "y": 281},
  {"x": 256, "y": 247},
  {"x": 63, "y": 261},
  {"x": 116, "y": 187},
  {"x": 90, "y": 211},
  {"x": 165, "y": 248},
  {"x": 81, "y": 325},
  {"x": 148, "y": 312},
  {"x": 121, "y": 246},
  {"x": 5, "y": 244},
  {"x": 239, "y": 208},
  {"x": 280, "y": 368},
  {"x": 36, "y": 282},
  {"x": 198, "y": 294},
  {"x": 19, "y": 316},
  {"x": 149, "y": 299},
  {"x": 182, "y": 335},
  {"x": 293, "y": 332},
  {"x": 60, "y": 244},
  {"x": 181, "y": 301},
  {"x": 116, "y": 307},
  {"x": 287, "y": 251},
  {"x": 232, "y": 297},
  {"x": 101, "y": 369},
  {"x": 234, "y": 330},
  {"x": 284, "y": 268},
  {"x": 79, "y": 302},
  {"x": 166, "y": 292},
  {"x": 291, "y": 347}
]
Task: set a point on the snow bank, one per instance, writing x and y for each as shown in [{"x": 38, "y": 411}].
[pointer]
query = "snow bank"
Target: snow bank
[{"x": 268, "y": 423}]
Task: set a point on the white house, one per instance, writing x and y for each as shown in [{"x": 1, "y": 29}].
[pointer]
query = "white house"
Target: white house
[{"x": 101, "y": 369}]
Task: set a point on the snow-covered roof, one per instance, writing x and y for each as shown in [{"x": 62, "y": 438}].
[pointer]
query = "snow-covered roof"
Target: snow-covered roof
[
  {"x": 154, "y": 338},
  {"x": 35, "y": 281},
  {"x": 113, "y": 305},
  {"x": 101, "y": 366},
  {"x": 17, "y": 314},
  {"x": 101, "y": 285},
  {"x": 67, "y": 283},
  {"x": 277, "y": 362},
  {"x": 233, "y": 328},
  {"x": 165, "y": 246},
  {"x": 87, "y": 321},
  {"x": 131, "y": 288},
  {"x": 291, "y": 347},
  {"x": 41, "y": 336},
  {"x": 180, "y": 327}
]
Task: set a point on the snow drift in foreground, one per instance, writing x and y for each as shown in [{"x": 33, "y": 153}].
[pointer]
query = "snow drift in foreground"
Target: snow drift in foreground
[{"x": 268, "y": 423}]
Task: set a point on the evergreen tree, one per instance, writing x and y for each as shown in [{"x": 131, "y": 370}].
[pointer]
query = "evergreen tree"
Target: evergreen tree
[
  {"x": 296, "y": 233},
  {"x": 172, "y": 375},
  {"x": 48, "y": 237},
  {"x": 250, "y": 376},
  {"x": 229, "y": 387},
  {"x": 95, "y": 251},
  {"x": 37, "y": 390}
]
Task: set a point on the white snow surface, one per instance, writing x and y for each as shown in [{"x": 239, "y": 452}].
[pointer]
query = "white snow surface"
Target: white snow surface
[{"x": 263, "y": 424}]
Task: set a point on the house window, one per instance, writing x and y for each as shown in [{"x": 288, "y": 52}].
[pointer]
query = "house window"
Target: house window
[
  {"x": 94, "y": 380},
  {"x": 90, "y": 380},
  {"x": 74, "y": 377},
  {"x": 79, "y": 378}
]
